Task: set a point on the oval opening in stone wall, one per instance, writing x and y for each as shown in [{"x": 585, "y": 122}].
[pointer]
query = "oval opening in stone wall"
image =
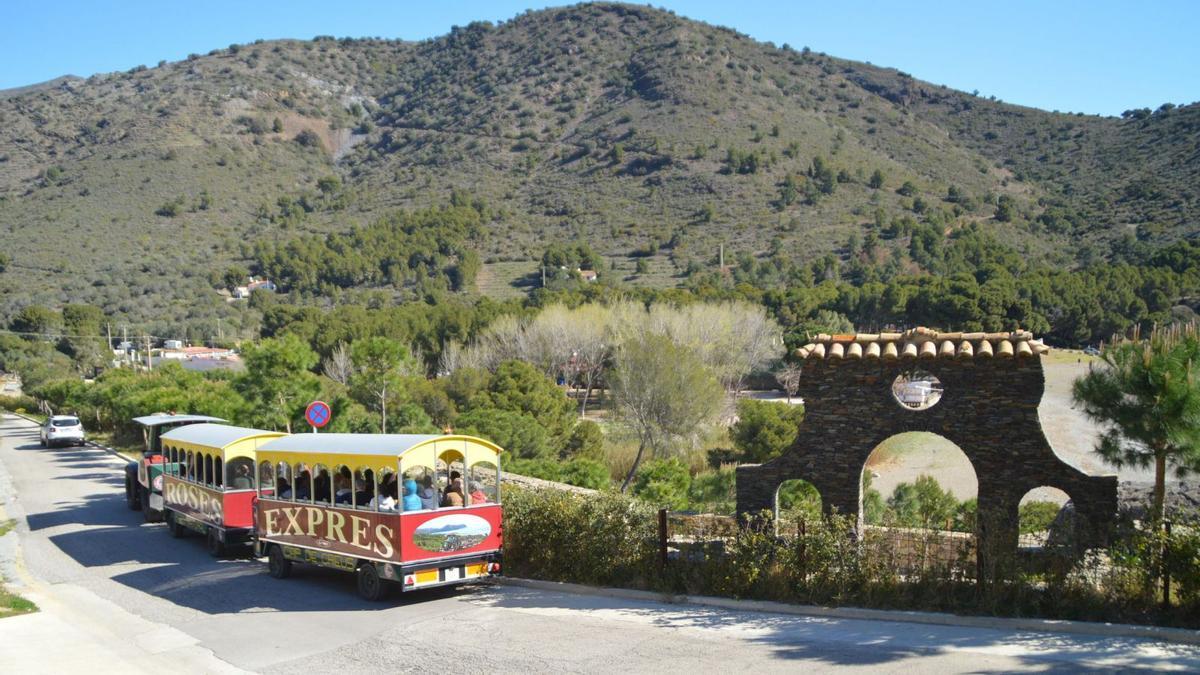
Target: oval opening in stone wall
[{"x": 917, "y": 390}]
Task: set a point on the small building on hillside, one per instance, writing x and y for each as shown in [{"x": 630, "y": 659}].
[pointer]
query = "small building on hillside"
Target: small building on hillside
[
  {"x": 588, "y": 275},
  {"x": 254, "y": 284}
]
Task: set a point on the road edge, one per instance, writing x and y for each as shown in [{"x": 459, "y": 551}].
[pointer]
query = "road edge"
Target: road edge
[{"x": 1159, "y": 633}]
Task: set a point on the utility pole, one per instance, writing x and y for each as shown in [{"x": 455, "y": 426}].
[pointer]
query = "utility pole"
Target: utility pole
[
  {"x": 149, "y": 363},
  {"x": 543, "y": 276},
  {"x": 721, "y": 257},
  {"x": 108, "y": 330},
  {"x": 220, "y": 333}
]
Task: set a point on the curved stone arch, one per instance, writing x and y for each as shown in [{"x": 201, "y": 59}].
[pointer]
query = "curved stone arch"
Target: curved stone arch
[
  {"x": 956, "y": 448},
  {"x": 992, "y": 385}
]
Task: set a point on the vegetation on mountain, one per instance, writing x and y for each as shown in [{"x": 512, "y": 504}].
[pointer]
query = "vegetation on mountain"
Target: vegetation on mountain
[{"x": 612, "y": 136}]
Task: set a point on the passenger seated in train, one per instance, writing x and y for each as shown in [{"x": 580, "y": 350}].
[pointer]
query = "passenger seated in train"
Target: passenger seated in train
[
  {"x": 411, "y": 501},
  {"x": 387, "y": 498},
  {"x": 428, "y": 493},
  {"x": 477, "y": 496},
  {"x": 454, "y": 492},
  {"x": 342, "y": 493},
  {"x": 284, "y": 488},
  {"x": 304, "y": 485},
  {"x": 242, "y": 479},
  {"x": 362, "y": 492},
  {"x": 321, "y": 487}
]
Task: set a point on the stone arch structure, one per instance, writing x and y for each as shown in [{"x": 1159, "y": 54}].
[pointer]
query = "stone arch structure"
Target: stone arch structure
[{"x": 991, "y": 385}]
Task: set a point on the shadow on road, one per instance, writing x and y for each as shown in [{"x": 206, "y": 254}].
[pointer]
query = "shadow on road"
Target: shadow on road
[
  {"x": 100, "y": 531},
  {"x": 844, "y": 642}
]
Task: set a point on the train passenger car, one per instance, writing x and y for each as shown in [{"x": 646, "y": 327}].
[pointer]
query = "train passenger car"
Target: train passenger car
[
  {"x": 418, "y": 511},
  {"x": 143, "y": 478},
  {"x": 208, "y": 484}
]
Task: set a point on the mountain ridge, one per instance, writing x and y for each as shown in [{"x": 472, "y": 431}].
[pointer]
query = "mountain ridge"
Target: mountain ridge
[{"x": 627, "y": 127}]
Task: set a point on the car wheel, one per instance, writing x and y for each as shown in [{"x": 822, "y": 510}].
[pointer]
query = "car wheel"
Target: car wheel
[
  {"x": 277, "y": 564},
  {"x": 216, "y": 548},
  {"x": 370, "y": 586},
  {"x": 43, "y": 440}
]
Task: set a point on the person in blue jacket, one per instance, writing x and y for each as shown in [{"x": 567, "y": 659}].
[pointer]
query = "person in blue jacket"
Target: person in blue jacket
[{"x": 411, "y": 501}]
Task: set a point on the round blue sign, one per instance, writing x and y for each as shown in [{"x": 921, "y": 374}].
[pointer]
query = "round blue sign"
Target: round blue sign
[{"x": 317, "y": 414}]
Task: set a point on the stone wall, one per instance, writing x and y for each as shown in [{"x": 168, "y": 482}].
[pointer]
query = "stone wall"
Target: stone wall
[{"x": 989, "y": 409}]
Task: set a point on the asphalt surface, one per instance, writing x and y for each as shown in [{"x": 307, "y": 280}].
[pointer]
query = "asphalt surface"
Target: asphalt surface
[{"x": 78, "y": 541}]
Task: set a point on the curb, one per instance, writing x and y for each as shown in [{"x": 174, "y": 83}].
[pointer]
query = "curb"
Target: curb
[{"x": 1179, "y": 635}]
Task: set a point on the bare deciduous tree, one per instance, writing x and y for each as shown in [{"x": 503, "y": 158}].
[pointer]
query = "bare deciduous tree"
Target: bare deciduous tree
[
  {"x": 338, "y": 366},
  {"x": 788, "y": 377}
]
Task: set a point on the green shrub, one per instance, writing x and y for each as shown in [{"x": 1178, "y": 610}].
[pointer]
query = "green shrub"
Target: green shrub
[
  {"x": 605, "y": 539},
  {"x": 765, "y": 429},
  {"x": 1037, "y": 516},
  {"x": 664, "y": 483},
  {"x": 18, "y": 403},
  {"x": 586, "y": 440},
  {"x": 586, "y": 472}
]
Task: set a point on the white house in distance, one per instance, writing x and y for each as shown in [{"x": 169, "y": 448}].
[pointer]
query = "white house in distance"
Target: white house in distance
[{"x": 254, "y": 284}]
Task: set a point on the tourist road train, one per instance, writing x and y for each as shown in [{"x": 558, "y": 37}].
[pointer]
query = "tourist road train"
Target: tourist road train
[{"x": 407, "y": 510}]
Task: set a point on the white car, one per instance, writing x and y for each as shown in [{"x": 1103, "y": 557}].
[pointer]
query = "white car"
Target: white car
[{"x": 62, "y": 430}]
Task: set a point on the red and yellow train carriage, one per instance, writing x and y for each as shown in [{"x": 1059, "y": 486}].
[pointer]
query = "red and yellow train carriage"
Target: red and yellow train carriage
[
  {"x": 346, "y": 501},
  {"x": 208, "y": 482}
]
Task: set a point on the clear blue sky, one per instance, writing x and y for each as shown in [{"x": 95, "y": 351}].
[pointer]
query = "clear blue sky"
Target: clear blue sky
[{"x": 1071, "y": 55}]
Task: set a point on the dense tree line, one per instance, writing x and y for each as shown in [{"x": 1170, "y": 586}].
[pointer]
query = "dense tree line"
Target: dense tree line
[{"x": 419, "y": 252}]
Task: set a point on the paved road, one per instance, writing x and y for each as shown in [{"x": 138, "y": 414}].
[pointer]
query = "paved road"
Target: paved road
[{"x": 81, "y": 546}]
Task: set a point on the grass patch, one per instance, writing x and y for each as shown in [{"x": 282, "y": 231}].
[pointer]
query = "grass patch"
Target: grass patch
[{"x": 12, "y": 604}]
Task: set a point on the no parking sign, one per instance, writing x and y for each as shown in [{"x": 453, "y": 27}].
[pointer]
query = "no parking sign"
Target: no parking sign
[{"x": 317, "y": 414}]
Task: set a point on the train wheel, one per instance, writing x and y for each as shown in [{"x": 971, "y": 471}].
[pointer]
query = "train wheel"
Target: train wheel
[
  {"x": 277, "y": 564},
  {"x": 370, "y": 586},
  {"x": 131, "y": 495},
  {"x": 173, "y": 526},
  {"x": 216, "y": 548},
  {"x": 144, "y": 499}
]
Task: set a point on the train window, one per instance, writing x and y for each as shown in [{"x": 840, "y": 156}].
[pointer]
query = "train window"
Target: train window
[
  {"x": 283, "y": 480},
  {"x": 427, "y": 487},
  {"x": 219, "y": 471},
  {"x": 304, "y": 483},
  {"x": 174, "y": 461},
  {"x": 208, "y": 469},
  {"x": 343, "y": 482},
  {"x": 364, "y": 487},
  {"x": 483, "y": 482},
  {"x": 240, "y": 473},
  {"x": 449, "y": 477},
  {"x": 266, "y": 479},
  {"x": 321, "y": 485}
]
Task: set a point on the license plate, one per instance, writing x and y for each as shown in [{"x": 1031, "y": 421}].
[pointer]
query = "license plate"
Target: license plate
[
  {"x": 156, "y": 502},
  {"x": 451, "y": 574}
]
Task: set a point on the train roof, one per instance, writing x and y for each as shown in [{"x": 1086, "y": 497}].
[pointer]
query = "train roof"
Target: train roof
[
  {"x": 350, "y": 444},
  {"x": 214, "y": 435},
  {"x": 159, "y": 419}
]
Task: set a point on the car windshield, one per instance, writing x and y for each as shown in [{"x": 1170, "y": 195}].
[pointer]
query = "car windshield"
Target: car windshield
[{"x": 65, "y": 422}]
